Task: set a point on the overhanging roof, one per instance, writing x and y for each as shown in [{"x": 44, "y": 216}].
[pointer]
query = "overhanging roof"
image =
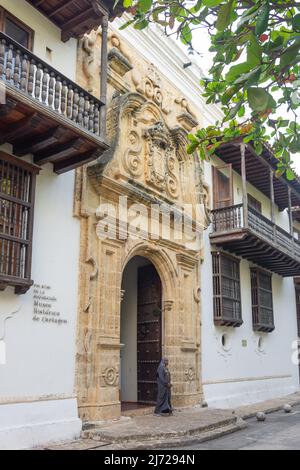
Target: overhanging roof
[
  {"x": 77, "y": 17},
  {"x": 257, "y": 172}
]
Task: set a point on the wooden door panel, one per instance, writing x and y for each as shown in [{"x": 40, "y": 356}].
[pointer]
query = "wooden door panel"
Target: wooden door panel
[
  {"x": 222, "y": 186},
  {"x": 149, "y": 332}
]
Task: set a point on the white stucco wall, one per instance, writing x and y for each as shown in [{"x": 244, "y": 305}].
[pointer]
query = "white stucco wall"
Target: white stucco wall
[
  {"x": 40, "y": 356},
  {"x": 46, "y": 34}
]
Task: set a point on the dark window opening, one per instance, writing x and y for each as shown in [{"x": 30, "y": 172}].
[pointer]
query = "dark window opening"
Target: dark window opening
[
  {"x": 16, "y": 29},
  {"x": 226, "y": 290},
  {"x": 254, "y": 203}
]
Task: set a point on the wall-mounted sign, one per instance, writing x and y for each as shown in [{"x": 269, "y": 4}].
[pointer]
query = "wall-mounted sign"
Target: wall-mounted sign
[{"x": 45, "y": 308}]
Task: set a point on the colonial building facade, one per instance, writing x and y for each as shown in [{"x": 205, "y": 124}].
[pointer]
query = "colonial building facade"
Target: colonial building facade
[
  {"x": 49, "y": 125},
  {"x": 138, "y": 249}
]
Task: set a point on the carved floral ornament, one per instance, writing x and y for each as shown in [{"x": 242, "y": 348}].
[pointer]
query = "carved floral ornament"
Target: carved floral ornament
[
  {"x": 110, "y": 376},
  {"x": 190, "y": 374}
]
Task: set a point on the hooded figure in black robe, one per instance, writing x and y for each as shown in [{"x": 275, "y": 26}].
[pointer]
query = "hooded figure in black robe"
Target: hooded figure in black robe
[{"x": 163, "y": 404}]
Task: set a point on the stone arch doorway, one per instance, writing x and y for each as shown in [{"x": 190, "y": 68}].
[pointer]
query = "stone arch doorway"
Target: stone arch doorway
[{"x": 141, "y": 332}]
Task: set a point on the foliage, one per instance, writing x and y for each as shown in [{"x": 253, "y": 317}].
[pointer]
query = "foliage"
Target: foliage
[{"x": 255, "y": 74}]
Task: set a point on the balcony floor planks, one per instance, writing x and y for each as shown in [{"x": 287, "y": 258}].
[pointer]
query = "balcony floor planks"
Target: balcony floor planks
[
  {"x": 30, "y": 129},
  {"x": 267, "y": 255}
]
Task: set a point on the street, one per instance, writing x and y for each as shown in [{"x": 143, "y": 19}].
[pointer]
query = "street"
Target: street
[{"x": 280, "y": 431}]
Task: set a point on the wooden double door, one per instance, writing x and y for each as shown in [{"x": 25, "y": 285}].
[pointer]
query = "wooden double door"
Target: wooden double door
[{"x": 149, "y": 333}]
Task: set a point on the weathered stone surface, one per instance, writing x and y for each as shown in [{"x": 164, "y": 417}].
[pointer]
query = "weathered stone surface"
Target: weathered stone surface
[
  {"x": 261, "y": 416},
  {"x": 287, "y": 408}
]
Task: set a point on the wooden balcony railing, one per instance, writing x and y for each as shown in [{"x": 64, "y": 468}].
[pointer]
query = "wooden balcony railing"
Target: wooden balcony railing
[
  {"x": 23, "y": 71},
  {"x": 232, "y": 219}
]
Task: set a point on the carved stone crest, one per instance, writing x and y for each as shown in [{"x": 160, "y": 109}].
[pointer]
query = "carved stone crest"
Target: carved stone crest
[{"x": 161, "y": 159}]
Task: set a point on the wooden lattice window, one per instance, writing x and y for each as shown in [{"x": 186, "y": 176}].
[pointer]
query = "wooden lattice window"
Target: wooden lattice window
[
  {"x": 262, "y": 301},
  {"x": 17, "y": 189},
  {"x": 226, "y": 290}
]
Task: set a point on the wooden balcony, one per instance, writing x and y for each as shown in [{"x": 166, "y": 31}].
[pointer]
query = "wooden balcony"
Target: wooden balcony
[
  {"x": 46, "y": 114},
  {"x": 245, "y": 232}
]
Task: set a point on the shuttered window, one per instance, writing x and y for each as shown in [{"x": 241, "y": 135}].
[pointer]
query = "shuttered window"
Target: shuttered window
[
  {"x": 222, "y": 186},
  {"x": 262, "y": 301},
  {"x": 17, "y": 188},
  {"x": 226, "y": 290}
]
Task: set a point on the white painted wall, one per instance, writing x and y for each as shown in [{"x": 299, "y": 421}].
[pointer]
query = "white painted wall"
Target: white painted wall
[
  {"x": 46, "y": 34},
  {"x": 40, "y": 357},
  {"x": 129, "y": 329}
]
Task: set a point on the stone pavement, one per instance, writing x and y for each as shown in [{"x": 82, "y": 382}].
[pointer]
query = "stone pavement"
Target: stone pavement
[{"x": 185, "y": 427}]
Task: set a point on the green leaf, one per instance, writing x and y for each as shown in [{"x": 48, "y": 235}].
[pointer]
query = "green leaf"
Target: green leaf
[
  {"x": 236, "y": 70},
  {"x": 260, "y": 100},
  {"x": 211, "y": 3},
  {"x": 241, "y": 112},
  {"x": 290, "y": 54},
  {"x": 192, "y": 138},
  {"x": 192, "y": 147},
  {"x": 141, "y": 24},
  {"x": 144, "y": 5},
  {"x": 127, "y": 3},
  {"x": 262, "y": 19},
  {"x": 290, "y": 175},
  {"x": 296, "y": 22},
  {"x": 254, "y": 52},
  {"x": 224, "y": 16},
  {"x": 186, "y": 35}
]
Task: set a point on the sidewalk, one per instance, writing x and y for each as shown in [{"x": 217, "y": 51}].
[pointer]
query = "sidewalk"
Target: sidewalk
[{"x": 188, "y": 425}]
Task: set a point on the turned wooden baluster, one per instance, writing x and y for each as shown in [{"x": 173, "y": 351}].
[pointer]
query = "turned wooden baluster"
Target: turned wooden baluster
[
  {"x": 91, "y": 116},
  {"x": 17, "y": 69},
  {"x": 96, "y": 119},
  {"x": 51, "y": 90},
  {"x": 24, "y": 72},
  {"x": 75, "y": 105},
  {"x": 64, "y": 97},
  {"x": 58, "y": 88},
  {"x": 70, "y": 102},
  {"x": 9, "y": 63},
  {"x": 2, "y": 56},
  {"x": 31, "y": 77},
  {"x": 45, "y": 86},
  {"x": 86, "y": 112},
  {"x": 80, "y": 109},
  {"x": 38, "y": 81}
]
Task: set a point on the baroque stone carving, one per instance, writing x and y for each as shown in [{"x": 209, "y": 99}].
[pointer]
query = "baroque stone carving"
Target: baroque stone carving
[
  {"x": 151, "y": 86},
  {"x": 132, "y": 157},
  {"x": 190, "y": 374},
  {"x": 110, "y": 376},
  {"x": 161, "y": 160}
]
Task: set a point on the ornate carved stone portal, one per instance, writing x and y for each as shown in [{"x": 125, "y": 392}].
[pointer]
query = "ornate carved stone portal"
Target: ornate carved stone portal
[{"x": 147, "y": 163}]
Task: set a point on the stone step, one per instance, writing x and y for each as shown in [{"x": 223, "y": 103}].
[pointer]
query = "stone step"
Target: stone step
[{"x": 232, "y": 423}]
